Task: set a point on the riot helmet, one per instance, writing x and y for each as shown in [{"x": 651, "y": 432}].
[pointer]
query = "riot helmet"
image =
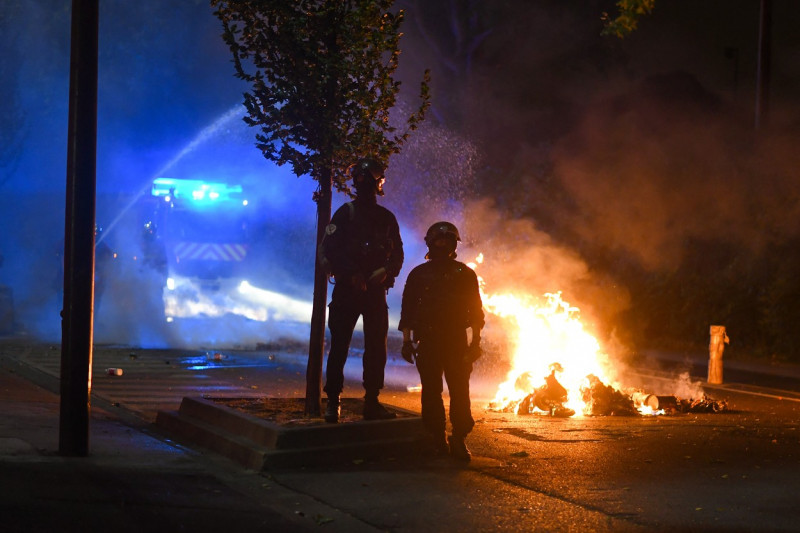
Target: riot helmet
[
  {"x": 442, "y": 239},
  {"x": 442, "y": 229},
  {"x": 368, "y": 173}
]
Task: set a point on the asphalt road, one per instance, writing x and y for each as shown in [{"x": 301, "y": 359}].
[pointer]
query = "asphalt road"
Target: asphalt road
[
  {"x": 732, "y": 471},
  {"x": 738, "y": 470}
]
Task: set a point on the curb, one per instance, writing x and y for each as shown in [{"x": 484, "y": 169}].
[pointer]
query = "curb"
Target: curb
[{"x": 260, "y": 444}]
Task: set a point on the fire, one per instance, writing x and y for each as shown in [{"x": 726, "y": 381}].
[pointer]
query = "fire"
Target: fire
[
  {"x": 548, "y": 339},
  {"x": 559, "y": 368}
]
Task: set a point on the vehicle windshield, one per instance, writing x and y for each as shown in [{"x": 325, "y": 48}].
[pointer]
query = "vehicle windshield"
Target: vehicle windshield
[{"x": 207, "y": 225}]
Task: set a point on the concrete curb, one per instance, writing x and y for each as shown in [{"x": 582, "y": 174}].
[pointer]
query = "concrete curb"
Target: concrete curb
[{"x": 260, "y": 444}]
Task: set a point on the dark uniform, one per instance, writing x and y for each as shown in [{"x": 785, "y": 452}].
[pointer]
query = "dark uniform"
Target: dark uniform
[
  {"x": 441, "y": 300},
  {"x": 364, "y": 252},
  {"x": 358, "y": 246},
  {"x": 103, "y": 263},
  {"x": 154, "y": 252}
]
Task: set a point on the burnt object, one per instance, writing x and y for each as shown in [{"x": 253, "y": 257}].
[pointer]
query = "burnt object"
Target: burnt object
[
  {"x": 668, "y": 403},
  {"x": 549, "y": 398},
  {"x": 704, "y": 405},
  {"x": 604, "y": 400},
  {"x": 673, "y": 404}
]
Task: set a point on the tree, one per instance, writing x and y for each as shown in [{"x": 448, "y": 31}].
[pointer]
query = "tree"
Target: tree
[
  {"x": 627, "y": 20},
  {"x": 451, "y": 32},
  {"x": 321, "y": 89},
  {"x": 628, "y": 14},
  {"x": 12, "y": 121}
]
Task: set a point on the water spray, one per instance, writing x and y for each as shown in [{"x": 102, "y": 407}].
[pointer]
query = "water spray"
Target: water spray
[{"x": 204, "y": 135}]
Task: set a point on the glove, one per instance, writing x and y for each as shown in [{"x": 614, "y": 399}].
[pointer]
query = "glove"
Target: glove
[
  {"x": 409, "y": 351},
  {"x": 474, "y": 351},
  {"x": 377, "y": 277}
]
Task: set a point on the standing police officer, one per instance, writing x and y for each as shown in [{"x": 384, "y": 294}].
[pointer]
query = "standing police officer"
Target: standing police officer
[
  {"x": 364, "y": 253},
  {"x": 441, "y": 300}
]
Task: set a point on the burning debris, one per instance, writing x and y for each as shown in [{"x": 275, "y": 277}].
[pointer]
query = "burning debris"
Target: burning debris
[
  {"x": 673, "y": 404},
  {"x": 599, "y": 399},
  {"x": 549, "y": 329},
  {"x": 549, "y": 398},
  {"x": 604, "y": 400}
]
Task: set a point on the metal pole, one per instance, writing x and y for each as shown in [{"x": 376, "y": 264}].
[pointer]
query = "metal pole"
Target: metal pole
[
  {"x": 76, "y": 316},
  {"x": 763, "y": 69}
]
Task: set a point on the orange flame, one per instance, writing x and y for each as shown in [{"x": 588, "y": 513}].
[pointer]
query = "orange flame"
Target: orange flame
[{"x": 543, "y": 332}]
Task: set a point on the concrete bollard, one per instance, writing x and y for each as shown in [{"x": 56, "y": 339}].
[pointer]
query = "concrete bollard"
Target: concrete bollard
[{"x": 715, "y": 348}]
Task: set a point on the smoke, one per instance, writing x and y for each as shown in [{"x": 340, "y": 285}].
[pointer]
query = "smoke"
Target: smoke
[
  {"x": 664, "y": 163},
  {"x": 636, "y": 173},
  {"x": 517, "y": 255},
  {"x": 434, "y": 178}
]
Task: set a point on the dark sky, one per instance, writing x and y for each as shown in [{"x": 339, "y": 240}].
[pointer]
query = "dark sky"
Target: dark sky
[
  {"x": 165, "y": 73},
  {"x": 633, "y": 145}
]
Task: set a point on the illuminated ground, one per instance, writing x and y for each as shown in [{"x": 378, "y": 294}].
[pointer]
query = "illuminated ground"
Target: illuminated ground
[{"x": 730, "y": 471}]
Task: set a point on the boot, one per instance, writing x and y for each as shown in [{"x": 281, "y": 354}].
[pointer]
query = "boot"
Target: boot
[
  {"x": 458, "y": 448},
  {"x": 439, "y": 443},
  {"x": 373, "y": 410},
  {"x": 333, "y": 409}
]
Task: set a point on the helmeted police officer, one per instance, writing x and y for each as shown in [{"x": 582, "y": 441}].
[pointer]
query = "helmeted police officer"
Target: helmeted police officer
[
  {"x": 364, "y": 253},
  {"x": 103, "y": 262},
  {"x": 154, "y": 252},
  {"x": 441, "y": 300}
]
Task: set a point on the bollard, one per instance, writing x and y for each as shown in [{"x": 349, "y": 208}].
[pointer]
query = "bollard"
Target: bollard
[{"x": 715, "y": 348}]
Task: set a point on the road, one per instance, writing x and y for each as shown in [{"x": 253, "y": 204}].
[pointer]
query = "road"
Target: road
[{"x": 738, "y": 470}]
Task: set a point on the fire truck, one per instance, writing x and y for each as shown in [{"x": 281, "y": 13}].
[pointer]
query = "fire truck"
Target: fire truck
[{"x": 196, "y": 234}]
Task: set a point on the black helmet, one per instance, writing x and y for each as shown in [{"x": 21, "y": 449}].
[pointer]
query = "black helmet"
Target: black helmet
[
  {"x": 368, "y": 172},
  {"x": 441, "y": 229}
]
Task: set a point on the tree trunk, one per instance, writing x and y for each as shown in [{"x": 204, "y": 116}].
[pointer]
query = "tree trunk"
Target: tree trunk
[{"x": 316, "y": 344}]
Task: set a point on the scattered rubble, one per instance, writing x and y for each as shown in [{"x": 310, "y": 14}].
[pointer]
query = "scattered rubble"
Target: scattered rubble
[
  {"x": 604, "y": 400},
  {"x": 600, "y": 400}
]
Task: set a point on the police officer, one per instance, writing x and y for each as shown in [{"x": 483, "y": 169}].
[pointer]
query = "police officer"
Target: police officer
[
  {"x": 364, "y": 253},
  {"x": 154, "y": 253},
  {"x": 103, "y": 263},
  {"x": 441, "y": 300}
]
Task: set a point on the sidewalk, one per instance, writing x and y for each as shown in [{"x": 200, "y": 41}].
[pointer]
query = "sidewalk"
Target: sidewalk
[
  {"x": 700, "y": 359},
  {"x": 136, "y": 480},
  {"x": 132, "y": 480},
  {"x": 737, "y": 374}
]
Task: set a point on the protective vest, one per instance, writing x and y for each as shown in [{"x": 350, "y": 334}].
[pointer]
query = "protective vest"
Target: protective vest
[
  {"x": 362, "y": 238},
  {"x": 441, "y": 295}
]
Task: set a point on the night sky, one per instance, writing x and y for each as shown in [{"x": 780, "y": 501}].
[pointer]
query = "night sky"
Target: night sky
[{"x": 550, "y": 145}]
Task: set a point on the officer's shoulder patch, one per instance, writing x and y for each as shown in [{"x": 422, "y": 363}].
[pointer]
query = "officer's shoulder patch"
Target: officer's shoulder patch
[{"x": 330, "y": 229}]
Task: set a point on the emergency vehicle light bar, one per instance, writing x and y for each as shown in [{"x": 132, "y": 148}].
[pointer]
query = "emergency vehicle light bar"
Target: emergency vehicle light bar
[{"x": 196, "y": 190}]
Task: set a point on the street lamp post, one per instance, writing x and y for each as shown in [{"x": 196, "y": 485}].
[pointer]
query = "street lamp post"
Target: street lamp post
[
  {"x": 763, "y": 69},
  {"x": 76, "y": 315}
]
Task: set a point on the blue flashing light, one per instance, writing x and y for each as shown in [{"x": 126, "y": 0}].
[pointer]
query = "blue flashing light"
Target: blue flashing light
[{"x": 199, "y": 191}]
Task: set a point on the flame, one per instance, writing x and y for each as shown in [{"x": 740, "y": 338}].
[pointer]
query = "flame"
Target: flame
[
  {"x": 544, "y": 331},
  {"x": 557, "y": 366}
]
